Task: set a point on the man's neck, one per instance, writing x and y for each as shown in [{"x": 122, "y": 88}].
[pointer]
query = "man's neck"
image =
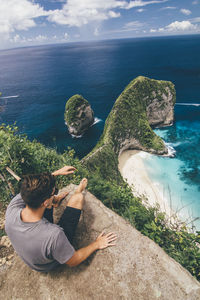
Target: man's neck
[{"x": 32, "y": 215}]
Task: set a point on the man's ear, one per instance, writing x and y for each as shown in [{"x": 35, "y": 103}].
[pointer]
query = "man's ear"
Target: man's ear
[{"x": 45, "y": 203}]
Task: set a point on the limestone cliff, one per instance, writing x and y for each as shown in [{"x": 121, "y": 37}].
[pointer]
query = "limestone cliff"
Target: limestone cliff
[
  {"x": 78, "y": 115},
  {"x": 144, "y": 103},
  {"x": 136, "y": 268}
]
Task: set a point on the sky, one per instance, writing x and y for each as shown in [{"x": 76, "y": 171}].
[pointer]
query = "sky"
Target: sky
[{"x": 37, "y": 22}]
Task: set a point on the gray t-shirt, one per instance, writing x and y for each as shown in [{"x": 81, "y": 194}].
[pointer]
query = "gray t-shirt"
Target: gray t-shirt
[{"x": 42, "y": 245}]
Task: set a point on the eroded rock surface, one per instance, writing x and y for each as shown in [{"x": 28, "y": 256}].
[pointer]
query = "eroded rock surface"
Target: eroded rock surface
[
  {"x": 136, "y": 268},
  {"x": 79, "y": 115},
  {"x": 161, "y": 112}
]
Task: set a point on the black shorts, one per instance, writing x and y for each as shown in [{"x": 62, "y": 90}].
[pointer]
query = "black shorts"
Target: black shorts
[{"x": 68, "y": 221}]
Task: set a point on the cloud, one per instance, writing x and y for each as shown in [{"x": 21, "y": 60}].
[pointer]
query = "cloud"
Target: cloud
[
  {"x": 181, "y": 26},
  {"x": 81, "y": 12},
  {"x": 130, "y": 26},
  {"x": 96, "y": 31},
  {"x": 195, "y": 2},
  {"x": 186, "y": 12},
  {"x": 139, "y": 3},
  {"x": 195, "y": 20},
  {"x": 176, "y": 27},
  {"x": 22, "y": 40},
  {"x": 19, "y": 15},
  {"x": 39, "y": 39},
  {"x": 140, "y": 10},
  {"x": 168, "y": 7},
  {"x": 135, "y": 25},
  {"x": 66, "y": 36}
]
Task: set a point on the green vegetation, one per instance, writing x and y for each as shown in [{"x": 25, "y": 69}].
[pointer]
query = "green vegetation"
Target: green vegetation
[
  {"x": 23, "y": 157},
  {"x": 127, "y": 124},
  {"x": 71, "y": 107}
]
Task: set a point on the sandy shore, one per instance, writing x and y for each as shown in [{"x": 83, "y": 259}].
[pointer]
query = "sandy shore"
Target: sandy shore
[{"x": 132, "y": 169}]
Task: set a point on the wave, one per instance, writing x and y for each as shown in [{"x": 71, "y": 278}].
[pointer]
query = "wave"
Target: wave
[
  {"x": 96, "y": 120},
  {"x": 171, "y": 150},
  {"x": 176, "y": 144},
  {"x": 189, "y": 104},
  {"x": 76, "y": 136},
  {"x": 8, "y": 97}
]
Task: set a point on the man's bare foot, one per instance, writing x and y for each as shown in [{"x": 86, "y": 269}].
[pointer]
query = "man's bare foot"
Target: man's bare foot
[
  {"x": 58, "y": 198},
  {"x": 82, "y": 185}
]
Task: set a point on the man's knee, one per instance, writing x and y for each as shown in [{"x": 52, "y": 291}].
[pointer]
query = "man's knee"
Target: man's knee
[{"x": 76, "y": 201}]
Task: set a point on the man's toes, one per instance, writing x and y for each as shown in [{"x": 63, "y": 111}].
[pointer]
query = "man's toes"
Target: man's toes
[{"x": 84, "y": 182}]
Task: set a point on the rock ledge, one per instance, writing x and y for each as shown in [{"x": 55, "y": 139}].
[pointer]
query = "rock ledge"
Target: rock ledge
[{"x": 136, "y": 268}]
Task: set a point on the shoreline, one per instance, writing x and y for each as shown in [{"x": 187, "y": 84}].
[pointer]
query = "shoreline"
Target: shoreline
[{"x": 132, "y": 169}]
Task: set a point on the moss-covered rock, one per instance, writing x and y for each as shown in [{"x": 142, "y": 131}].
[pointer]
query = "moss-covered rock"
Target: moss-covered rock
[
  {"x": 143, "y": 102},
  {"x": 78, "y": 115}
]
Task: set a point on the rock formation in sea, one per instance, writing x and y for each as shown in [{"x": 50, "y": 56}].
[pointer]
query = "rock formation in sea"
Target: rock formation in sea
[
  {"x": 143, "y": 103},
  {"x": 136, "y": 268},
  {"x": 78, "y": 115}
]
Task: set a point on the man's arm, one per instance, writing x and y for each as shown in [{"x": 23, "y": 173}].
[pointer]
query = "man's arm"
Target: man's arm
[
  {"x": 64, "y": 171},
  {"x": 102, "y": 242}
]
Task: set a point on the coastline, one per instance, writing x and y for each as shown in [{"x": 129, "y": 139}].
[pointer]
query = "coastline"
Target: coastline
[{"x": 132, "y": 169}]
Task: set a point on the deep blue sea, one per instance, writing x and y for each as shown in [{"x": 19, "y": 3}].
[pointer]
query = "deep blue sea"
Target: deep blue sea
[{"x": 37, "y": 81}]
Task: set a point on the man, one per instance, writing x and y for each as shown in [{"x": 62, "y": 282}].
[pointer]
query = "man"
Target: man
[{"x": 29, "y": 223}]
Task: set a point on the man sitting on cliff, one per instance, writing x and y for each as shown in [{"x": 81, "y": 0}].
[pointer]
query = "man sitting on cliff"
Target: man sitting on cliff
[{"x": 41, "y": 244}]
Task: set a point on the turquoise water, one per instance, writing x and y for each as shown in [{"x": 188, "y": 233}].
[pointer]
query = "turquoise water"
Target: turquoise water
[{"x": 178, "y": 177}]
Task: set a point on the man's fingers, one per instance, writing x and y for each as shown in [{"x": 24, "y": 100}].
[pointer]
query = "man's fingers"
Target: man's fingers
[
  {"x": 101, "y": 234},
  {"x": 72, "y": 168},
  {"x": 113, "y": 244},
  {"x": 112, "y": 237},
  {"x": 110, "y": 233},
  {"x": 111, "y": 240}
]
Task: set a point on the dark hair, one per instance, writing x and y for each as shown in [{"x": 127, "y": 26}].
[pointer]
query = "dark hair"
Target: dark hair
[{"x": 36, "y": 188}]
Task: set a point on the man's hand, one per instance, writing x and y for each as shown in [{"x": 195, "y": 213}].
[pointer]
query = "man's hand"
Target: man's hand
[
  {"x": 106, "y": 240},
  {"x": 64, "y": 171},
  {"x": 103, "y": 241},
  {"x": 58, "y": 198}
]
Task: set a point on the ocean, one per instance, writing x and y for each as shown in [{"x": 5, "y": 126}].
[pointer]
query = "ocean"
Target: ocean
[{"x": 37, "y": 81}]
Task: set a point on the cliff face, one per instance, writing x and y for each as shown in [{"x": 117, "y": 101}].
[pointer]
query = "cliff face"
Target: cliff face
[
  {"x": 78, "y": 115},
  {"x": 144, "y": 103},
  {"x": 136, "y": 268}
]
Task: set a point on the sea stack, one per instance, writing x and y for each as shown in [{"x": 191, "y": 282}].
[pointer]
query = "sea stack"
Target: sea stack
[{"x": 79, "y": 115}]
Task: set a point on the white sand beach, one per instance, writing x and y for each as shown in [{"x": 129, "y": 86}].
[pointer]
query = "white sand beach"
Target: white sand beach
[{"x": 132, "y": 169}]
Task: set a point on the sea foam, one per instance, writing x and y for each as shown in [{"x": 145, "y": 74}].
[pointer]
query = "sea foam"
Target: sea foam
[
  {"x": 8, "y": 97},
  {"x": 96, "y": 120},
  {"x": 171, "y": 150},
  {"x": 189, "y": 104}
]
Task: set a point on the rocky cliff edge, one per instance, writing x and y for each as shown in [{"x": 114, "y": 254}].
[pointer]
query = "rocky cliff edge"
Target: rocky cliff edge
[{"x": 136, "y": 268}]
